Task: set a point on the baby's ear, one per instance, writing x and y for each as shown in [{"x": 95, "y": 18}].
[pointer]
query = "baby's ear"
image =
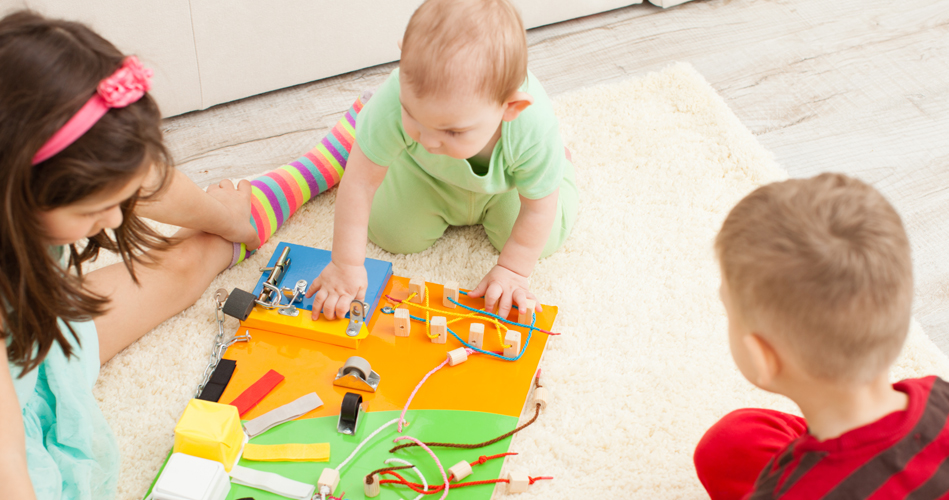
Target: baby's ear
[
  {"x": 518, "y": 102},
  {"x": 399, "y": 43}
]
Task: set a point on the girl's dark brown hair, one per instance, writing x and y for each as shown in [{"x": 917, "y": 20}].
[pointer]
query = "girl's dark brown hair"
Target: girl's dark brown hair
[{"x": 50, "y": 68}]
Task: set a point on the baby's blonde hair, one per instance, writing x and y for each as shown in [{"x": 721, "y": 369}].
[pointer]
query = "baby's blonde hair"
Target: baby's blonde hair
[
  {"x": 473, "y": 45},
  {"x": 824, "y": 265}
]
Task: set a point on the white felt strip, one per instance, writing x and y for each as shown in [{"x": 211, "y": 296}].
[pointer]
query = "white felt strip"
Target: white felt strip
[
  {"x": 274, "y": 483},
  {"x": 282, "y": 414}
]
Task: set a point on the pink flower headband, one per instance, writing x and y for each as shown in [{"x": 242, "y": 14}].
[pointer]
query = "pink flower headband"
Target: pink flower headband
[{"x": 127, "y": 85}]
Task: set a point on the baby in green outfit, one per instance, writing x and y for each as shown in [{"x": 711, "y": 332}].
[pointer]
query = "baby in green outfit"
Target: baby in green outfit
[{"x": 461, "y": 134}]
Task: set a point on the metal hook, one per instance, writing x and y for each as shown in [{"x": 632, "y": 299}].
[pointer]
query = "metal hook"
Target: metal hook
[
  {"x": 294, "y": 296},
  {"x": 243, "y": 338}
]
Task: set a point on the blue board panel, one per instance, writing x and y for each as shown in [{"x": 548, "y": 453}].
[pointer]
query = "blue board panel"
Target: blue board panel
[{"x": 307, "y": 263}]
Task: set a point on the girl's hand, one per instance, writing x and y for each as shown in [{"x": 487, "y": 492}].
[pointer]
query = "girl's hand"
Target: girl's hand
[
  {"x": 335, "y": 288},
  {"x": 235, "y": 203},
  {"x": 502, "y": 287}
]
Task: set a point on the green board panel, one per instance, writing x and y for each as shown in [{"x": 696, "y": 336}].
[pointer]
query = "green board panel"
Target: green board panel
[{"x": 426, "y": 425}]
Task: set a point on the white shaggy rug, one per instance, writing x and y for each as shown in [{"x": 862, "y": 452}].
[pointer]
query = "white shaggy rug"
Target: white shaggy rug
[{"x": 642, "y": 367}]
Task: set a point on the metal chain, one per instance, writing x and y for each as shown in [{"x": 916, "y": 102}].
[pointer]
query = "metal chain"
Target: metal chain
[{"x": 219, "y": 346}]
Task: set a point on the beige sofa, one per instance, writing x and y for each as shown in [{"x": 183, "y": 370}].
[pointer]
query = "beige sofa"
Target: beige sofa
[{"x": 207, "y": 52}]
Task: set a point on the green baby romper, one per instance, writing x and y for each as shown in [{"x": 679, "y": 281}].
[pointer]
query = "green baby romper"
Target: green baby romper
[
  {"x": 424, "y": 193},
  {"x": 70, "y": 449}
]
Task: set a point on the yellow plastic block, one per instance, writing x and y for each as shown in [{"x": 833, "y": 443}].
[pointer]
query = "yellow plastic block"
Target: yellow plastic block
[
  {"x": 210, "y": 430},
  {"x": 293, "y": 452}
]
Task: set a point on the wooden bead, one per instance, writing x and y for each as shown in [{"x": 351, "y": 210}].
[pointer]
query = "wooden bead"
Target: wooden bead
[
  {"x": 517, "y": 482},
  {"x": 476, "y": 335},
  {"x": 451, "y": 291},
  {"x": 417, "y": 286},
  {"x": 457, "y": 357},
  {"x": 540, "y": 398},
  {"x": 371, "y": 485},
  {"x": 513, "y": 339},
  {"x": 329, "y": 478},
  {"x": 440, "y": 329},
  {"x": 459, "y": 471},
  {"x": 402, "y": 324},
  {"x": 527, "y": 316}
]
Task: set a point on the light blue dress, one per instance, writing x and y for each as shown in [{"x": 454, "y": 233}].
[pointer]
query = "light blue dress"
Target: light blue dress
[{"x": 70, "y": 449}]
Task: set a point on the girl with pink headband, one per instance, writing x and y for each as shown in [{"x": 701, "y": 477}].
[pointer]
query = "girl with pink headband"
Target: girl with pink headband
[{"x": 81, "y": 153}]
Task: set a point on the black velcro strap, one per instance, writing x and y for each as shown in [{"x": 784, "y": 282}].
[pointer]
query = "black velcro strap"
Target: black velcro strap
[{"x": 218, "y": 381}]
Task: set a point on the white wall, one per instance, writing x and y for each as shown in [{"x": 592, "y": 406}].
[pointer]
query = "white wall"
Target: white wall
[
  {"x": 207, "y": 52},
  {"x": 157, "y": 31}
]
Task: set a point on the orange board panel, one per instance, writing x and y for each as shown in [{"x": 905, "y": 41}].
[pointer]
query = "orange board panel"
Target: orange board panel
[{"x": 483, "y": 383}]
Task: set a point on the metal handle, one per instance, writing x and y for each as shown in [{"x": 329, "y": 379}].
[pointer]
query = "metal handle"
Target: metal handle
[{"x": 276, "y": 273}]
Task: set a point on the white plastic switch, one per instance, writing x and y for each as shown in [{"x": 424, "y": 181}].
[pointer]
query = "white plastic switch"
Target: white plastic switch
[{"x": 191, "y": 478}]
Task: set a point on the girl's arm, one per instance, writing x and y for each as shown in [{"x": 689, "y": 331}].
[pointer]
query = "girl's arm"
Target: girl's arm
[
  {"x": 508, "y": 282},
  {"x": 14, "y": 474},
  {"x": 344, "y": 278},
  {"x": 223, "y": 210}
]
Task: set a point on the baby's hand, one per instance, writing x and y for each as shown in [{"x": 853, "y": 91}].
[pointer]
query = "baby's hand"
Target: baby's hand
[
  {"x": 502, "y": 287},
  {"x": 335, "y": 289},
  {"x": 236, "y": 203}
]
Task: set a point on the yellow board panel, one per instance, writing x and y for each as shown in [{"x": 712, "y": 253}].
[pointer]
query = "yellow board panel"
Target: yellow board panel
[{"x": 303, "y": 326}]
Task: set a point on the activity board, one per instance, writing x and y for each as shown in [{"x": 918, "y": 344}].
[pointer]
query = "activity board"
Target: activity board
[{"x": 310, "y": 415}]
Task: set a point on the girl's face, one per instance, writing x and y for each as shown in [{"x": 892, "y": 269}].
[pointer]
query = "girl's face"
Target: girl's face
[{"x": 70, "y": 223}]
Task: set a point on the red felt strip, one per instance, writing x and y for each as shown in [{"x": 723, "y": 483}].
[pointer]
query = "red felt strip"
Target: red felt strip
[{"x": 256, "y": 392}]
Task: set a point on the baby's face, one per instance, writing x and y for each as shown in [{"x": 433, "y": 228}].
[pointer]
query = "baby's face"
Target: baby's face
[{"x": 459, "y": 126}]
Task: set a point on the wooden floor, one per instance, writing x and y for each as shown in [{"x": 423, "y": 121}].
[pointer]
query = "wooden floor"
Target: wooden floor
[{"x": 854, "y": 86}]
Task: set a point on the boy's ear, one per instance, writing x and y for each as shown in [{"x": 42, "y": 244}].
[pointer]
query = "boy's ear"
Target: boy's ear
[
  {"x": 764, "y": 358},
  {"x": 518, "y": 102}
]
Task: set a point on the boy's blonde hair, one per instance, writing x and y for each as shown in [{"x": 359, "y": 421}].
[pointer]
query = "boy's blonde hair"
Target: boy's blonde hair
[
  {"x": 474, "y": 45},
  {"x": 824, "y": 265}
]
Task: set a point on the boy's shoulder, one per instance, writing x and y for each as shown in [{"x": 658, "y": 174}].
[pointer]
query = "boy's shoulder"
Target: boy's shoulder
[{"x": 871, "y": 459}]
